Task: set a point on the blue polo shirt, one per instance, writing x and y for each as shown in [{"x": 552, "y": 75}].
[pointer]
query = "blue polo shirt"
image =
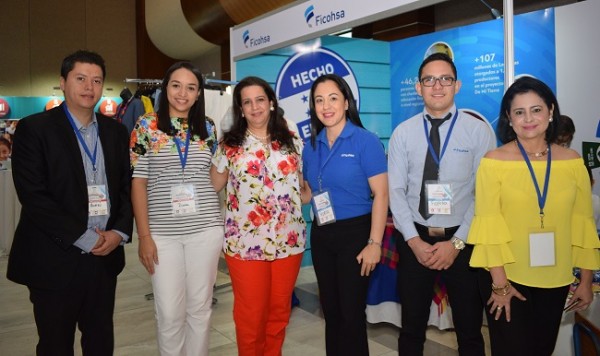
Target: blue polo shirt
[{"x": 356, "y": 155}]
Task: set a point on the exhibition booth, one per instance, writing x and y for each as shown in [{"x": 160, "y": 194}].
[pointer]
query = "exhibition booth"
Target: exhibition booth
[
  {"x": 382, "y": 76},
  {"x": 289, "y": 48}
]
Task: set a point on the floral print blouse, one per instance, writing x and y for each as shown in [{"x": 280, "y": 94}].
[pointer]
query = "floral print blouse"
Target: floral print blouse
[{"x": 263, "y": 216}]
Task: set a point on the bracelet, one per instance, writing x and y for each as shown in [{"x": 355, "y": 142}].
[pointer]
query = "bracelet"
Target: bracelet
[
  {"x": 371, "y": 241},
  {"x": 502, "y": 291}
]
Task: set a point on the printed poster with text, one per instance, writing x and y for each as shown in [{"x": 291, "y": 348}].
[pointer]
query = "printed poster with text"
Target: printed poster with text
[{"x": 478, "y": 53}]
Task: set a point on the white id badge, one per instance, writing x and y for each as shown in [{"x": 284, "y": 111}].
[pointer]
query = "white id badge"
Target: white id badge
[
  {"x": 323, "y": 208},
  {"x": 439, "y": 197},
  {"x": 97, "y": 200},
  {"x": 541, "y": 249},
  {"x": 182, "y": 199}
]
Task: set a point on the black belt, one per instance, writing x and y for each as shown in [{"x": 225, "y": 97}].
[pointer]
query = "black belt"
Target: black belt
[{"x": 436, "y": 231}]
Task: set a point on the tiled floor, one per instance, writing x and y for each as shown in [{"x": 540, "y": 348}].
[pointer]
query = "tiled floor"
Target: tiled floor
[{"x": 135, "y": 324}]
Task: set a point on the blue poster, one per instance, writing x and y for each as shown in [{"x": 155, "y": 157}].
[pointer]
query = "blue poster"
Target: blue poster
[{"x": 478, "y": 53}]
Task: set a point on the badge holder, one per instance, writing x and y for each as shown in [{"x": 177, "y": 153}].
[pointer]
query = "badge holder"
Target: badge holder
[
  {"x": 439, "y": 197},
  {"x": 542, "y": 247},
  {"x": 323, "y": 208},
  {"x": 97, "y": 200},
  {"x": 182, "y": 200}
]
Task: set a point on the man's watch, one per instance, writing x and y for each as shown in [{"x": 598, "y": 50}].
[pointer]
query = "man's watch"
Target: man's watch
[{"x": 458, "y": 243}]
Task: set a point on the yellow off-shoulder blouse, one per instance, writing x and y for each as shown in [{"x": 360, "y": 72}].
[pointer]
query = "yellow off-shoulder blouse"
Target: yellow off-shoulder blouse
[{"x": 506, "y": 211}]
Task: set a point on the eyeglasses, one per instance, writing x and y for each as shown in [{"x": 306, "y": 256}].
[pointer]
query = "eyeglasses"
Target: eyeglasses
[{"x": 445, "y": 81}]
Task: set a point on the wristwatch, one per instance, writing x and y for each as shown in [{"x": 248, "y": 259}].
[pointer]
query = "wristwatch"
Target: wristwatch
[{"x": 458, "y": 243}]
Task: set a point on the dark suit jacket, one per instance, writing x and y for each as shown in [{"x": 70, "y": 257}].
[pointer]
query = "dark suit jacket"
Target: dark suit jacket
[{"x": 50, "y": 182}]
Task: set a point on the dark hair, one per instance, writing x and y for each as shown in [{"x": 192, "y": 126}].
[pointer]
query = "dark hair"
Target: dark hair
[
  {"x": 566, "y": 130},
  {"x": 521, "y": 86},
  {"x": 5, "y": 142},
  {"x": 81, "y": 56},
  {"x": 438, "y": 57},
  {"x": 197, "y": 114},
  {"x": 351, "y": 113},
  {"x": 276, "y": 127}
]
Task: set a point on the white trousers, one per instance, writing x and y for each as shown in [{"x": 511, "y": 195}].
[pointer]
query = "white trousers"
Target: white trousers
[{"x": 183, "y": 284}]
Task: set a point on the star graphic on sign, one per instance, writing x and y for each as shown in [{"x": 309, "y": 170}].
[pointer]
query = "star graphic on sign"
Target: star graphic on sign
[
  {"x": 308, "y": 112},
  {"x": 304, "y": 98}
]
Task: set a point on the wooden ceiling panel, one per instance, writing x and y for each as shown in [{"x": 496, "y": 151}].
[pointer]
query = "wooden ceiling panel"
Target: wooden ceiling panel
[{"x": 211, "y": 19}]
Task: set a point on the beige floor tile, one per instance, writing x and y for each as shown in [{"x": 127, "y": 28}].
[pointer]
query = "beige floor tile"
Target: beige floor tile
[{"x": 135, "y": 325}]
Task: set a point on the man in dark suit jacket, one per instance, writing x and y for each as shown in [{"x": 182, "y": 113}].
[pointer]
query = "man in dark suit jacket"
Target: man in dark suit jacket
[{"x": 72, "y": 176}]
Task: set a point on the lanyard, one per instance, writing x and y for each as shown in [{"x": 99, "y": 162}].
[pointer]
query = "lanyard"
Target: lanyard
[
  {"x": 541, "y": 197},
  {"x": 183, "y": 156},
  {"x": 91, "y": 156},
  {"x": 320, "y": 176},
  {"x": 446, "y": 140}
]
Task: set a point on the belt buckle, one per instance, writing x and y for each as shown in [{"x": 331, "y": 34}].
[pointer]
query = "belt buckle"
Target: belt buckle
[{"x": 437, "y": 231}]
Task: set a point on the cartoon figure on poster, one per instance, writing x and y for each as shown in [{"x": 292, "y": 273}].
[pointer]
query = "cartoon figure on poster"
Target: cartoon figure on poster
[
  {"x": 296, "y": 77},
  {"x": 439, "y": 47}
]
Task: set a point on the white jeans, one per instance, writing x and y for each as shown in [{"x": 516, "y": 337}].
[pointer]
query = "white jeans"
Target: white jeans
[{"x": 183, "y": 284}]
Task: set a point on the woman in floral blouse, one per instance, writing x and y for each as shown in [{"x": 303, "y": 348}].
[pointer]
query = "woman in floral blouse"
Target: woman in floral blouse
[
  {"x": 259, "y": 162},
  {"x": 176, "y": 210}
]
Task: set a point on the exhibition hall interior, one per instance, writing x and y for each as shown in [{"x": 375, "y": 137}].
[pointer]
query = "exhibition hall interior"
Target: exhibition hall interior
[{"x": 228, "y": 40}]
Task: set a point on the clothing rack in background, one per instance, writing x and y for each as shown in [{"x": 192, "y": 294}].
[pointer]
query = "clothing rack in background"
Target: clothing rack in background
[
  {"x": 217, "y": 84},
  {"x": 219, "y": 81},
  {"x": 143, "y": 81}
]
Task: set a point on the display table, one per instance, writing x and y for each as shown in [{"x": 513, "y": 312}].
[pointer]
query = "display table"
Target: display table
[
  {"x": 10, "y": 210},
  {"x": 383, "y": 302}
]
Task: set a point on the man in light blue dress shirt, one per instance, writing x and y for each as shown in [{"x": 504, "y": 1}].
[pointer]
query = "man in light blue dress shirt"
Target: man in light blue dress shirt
[{"x": 432, "y": 206}]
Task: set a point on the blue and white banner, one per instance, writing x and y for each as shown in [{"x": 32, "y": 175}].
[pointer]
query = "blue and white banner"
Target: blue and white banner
[
  {"x": 295, "y": 80},
  {"x": 310, "y": 19}
]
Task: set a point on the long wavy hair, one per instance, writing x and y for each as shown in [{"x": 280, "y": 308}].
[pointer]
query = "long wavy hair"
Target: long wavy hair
[
  {"x": 276, "y": 127},
  {"x": 351, "y": 113},
  {"x": 197, "y": 115},
  {"x": 521, "y": 86}
]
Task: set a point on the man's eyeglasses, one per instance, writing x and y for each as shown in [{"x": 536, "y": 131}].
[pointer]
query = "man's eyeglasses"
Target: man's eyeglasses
[{"x": 445, "y": 81}]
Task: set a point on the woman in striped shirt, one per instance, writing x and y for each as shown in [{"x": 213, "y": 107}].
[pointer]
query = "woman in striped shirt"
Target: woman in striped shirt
[{"x": 176, "y": 210}]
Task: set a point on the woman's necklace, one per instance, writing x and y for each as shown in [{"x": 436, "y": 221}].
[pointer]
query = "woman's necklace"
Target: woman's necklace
[
  {"x": 536, "y": 154},
  {"x": 260, "y": 138}
]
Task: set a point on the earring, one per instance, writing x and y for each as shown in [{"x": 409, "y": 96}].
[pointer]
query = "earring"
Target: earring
[
  {"x": 550, "y": 119},
  {"x": 510, "y": 124},
  {"x": 243, "y": 115},
  {"x": 272, "y": 108}
]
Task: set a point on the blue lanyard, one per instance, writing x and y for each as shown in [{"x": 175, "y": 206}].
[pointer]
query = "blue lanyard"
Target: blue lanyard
[
  {"x": 91, "y": 156},
  {"x": 320, "y": 176},
  {"x": 446, "y": 140},
  {"x": 541, "y": 197},
  {"x": 183, "y": 156}
]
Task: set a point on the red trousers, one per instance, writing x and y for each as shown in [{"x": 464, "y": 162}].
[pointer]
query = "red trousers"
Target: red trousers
[{"x": 262, "y": 304}]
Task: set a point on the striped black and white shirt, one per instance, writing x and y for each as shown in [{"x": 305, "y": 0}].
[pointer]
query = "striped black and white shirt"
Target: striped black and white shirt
[{"x": 154, "y": 157}]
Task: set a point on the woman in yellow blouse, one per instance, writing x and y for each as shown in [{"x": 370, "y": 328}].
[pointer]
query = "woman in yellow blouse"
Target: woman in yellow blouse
[{"x": 533, "y": 223}]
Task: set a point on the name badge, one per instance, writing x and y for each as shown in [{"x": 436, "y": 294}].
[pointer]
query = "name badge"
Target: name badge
[
  {"x": 541, "y": 249},
  {"x": 323, "y": 208},
  {"x": 439, "y": 198},
  {"x": 182, "y": 199},
  {"x": 97, "y": 200}
]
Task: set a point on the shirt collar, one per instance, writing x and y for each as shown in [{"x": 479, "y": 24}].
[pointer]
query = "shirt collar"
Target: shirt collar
[
  {"x": 451, "y": 111},
  {"x": 347, "y": 131},
  {"x": 79, "y": 125}
]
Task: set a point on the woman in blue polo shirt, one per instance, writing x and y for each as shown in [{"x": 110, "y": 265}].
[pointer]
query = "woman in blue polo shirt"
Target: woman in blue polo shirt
[{"x": 345, "y": 166}]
